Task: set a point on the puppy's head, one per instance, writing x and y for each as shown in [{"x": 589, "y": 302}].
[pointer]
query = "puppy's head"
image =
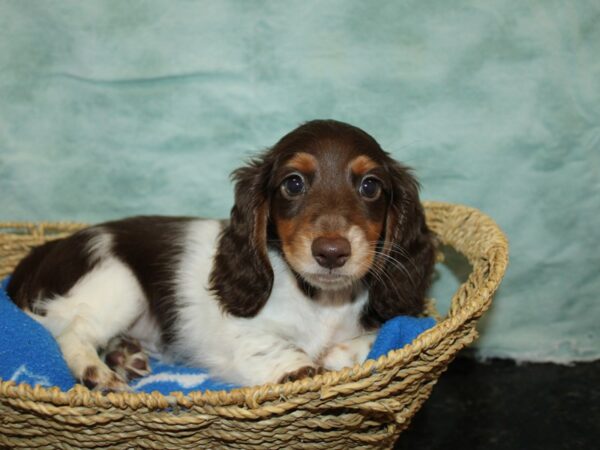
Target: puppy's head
[{"x": 341, "y": 211}]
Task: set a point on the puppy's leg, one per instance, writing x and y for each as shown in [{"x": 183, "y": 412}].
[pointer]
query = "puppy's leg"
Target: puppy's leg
[
  {"x": 79, "y": 350},
  {"x": 260, "y": 357},
  {"x": 101, "y": 305},
  {"x": 348, "y": 353}
]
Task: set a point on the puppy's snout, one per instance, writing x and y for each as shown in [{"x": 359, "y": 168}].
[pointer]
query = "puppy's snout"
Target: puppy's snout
[{"x": 331, "y": 252}]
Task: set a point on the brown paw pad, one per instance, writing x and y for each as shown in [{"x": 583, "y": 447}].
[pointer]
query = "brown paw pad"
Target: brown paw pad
[
  {"x": 114, "y": 359},
  {"x": 90, "y": 377},
  {"x": 303, "y": 372},
  {"x": 126, "y": 357},
  {"x": 137, "y": 366}
]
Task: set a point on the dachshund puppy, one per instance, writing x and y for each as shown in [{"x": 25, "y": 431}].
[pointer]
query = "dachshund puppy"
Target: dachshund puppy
[{"x": 326, "y": 241}]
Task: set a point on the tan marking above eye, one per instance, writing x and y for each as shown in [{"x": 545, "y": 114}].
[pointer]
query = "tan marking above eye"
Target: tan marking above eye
[
  {"x": 362, "y": 164},
  {"x": 303, "y": 162}
]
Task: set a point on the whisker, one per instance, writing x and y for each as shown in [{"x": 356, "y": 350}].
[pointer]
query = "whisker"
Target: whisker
[
  {"x": 395, "y": 263},
  {"x": 379, "y": 274},
  {"x": 403, "y": 252}
]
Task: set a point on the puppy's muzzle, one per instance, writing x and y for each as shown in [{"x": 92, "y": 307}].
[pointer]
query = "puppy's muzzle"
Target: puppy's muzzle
[{"x": 331, "y": 252}]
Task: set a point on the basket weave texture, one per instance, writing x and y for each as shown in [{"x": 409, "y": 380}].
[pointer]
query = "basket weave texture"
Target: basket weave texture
[{"x": 366, "y": 406}]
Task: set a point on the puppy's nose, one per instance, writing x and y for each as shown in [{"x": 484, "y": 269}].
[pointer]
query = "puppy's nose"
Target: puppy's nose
[{"x": 331, "y": 252}]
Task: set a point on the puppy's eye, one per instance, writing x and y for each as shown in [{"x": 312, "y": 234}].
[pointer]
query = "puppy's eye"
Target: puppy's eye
[
  {"x": 293, "y": 185},
  {"x": 370, "y": 188}
]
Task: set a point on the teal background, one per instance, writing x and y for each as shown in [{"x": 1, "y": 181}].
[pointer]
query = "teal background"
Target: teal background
[{"x": 113, "y": 108}]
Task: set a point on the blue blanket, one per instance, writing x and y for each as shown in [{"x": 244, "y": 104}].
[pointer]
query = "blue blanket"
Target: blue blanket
[{"x": 28, "y": 353}]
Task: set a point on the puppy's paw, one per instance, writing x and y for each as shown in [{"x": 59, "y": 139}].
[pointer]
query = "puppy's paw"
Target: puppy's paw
[
  {"x": 302, "y": 372},
  {"x": 101, "y": 378},
  {"x": 126, "y": 357},
  {"x": 349, "y": 353}
]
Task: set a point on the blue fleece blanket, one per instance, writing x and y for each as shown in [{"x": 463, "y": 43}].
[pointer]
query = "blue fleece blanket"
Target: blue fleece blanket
[{"x": 28, "y": 353}]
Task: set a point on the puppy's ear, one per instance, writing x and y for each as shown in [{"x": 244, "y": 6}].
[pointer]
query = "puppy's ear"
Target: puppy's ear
[
  {"x": 402, "y": 273},
  {"x": 242, "y": 276}
]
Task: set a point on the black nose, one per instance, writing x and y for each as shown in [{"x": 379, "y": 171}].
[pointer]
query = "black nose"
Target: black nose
[{"x": 331, "y": 252}]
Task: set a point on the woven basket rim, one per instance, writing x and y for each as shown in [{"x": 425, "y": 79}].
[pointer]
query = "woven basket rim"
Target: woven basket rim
[{"x": 256, "y": 396}]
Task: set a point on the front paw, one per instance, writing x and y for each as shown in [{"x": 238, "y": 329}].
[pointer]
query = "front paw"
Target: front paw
[
  {"x": 101, "y": 378},
  {"x": 348, "y": 353},
  {"x": 302, "y": 372}
]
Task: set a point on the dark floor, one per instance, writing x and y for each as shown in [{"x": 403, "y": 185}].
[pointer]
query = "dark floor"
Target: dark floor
[{"x": 501, "y": 405}]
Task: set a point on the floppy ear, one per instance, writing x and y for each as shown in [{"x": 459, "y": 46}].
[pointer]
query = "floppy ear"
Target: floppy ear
[
  {"x": 242, "y": 276},
  {"x": 407, "y": 254}
]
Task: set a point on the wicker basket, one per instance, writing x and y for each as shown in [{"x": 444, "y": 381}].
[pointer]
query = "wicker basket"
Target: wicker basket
[{"x": 366, "y": 406}]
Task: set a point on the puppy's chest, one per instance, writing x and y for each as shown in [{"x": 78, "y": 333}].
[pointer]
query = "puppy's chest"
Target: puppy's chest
[{"x": 312, "y": 324}]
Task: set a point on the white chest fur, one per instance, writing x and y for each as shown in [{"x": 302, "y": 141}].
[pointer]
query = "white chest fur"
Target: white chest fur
[{"x": 312, "y": 324}]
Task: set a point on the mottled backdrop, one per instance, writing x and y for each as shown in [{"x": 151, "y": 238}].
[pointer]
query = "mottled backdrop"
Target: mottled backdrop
[{"x": 116, "y": 108}]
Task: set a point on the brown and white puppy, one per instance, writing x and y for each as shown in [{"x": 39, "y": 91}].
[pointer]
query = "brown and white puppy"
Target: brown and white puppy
[{"x": 327, "y": 240}]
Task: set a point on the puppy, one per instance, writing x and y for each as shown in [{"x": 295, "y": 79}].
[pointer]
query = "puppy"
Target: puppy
[{"x": 326, "y": 241}]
